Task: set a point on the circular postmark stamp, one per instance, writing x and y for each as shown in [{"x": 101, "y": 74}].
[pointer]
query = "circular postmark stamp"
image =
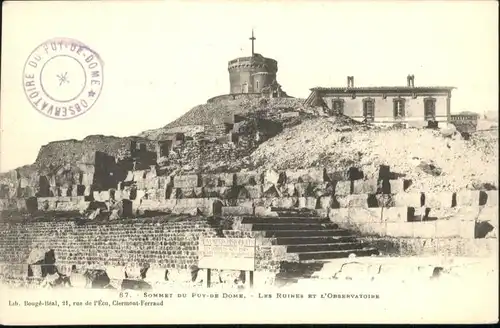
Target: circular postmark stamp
[{"x": 63, "y": 78}]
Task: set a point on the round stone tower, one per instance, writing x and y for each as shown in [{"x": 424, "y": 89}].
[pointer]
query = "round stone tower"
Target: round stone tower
[{"x": 252, "y": 74}]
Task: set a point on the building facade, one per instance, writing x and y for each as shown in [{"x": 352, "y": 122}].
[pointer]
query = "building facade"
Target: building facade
[{"x": 406, "y": 105}]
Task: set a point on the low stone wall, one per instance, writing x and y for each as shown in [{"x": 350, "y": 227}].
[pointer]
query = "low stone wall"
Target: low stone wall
[{"x": 127, "y": 246}]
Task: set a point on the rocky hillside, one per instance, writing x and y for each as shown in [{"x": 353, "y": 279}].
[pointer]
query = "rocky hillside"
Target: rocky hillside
[
  {"x": 433, "y": 159},
  {"x": 217, "y": 110}
]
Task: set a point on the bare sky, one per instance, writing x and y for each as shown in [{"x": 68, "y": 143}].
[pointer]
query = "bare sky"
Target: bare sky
[{"x": 163, "y": 57}]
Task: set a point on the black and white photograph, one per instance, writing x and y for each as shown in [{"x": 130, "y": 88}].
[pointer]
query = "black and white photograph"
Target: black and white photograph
[{"x": 199, "y": 162}]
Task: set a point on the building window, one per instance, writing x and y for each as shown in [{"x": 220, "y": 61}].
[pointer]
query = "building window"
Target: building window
[
  {"x": 338, "y": 106},
  {"x": 368, "y": 109},
  {"x": 399, "y": 108},
  {"x": 257, "y": 85},
  {"x": 430, "y": 109}
]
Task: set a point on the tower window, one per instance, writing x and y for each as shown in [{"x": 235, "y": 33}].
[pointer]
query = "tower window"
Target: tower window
[
  {"x": 368, "y": 109},
  {"x": 430, "y": 109},
  {"x": 257, "y": 85},
  {"x": 399, "y": 108}
]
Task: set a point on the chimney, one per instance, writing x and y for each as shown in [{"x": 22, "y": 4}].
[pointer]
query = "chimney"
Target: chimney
[
  {"x": 411, "y": 81},
  {"x": 350, "y": 81}
]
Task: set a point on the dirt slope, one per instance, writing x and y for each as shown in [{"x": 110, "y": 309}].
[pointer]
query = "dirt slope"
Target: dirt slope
[{"x": 317, "y": 142}]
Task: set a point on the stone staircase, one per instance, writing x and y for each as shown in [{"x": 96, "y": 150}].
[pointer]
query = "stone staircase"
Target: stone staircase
[{"x": 308, "y": 236}]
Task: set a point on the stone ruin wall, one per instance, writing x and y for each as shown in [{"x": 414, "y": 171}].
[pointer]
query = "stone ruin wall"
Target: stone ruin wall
[
  {"x": 117, "y": 247},
  {"x": 398, "y": 222},
  {"x": 75, "y": 151},
  {"x": 377, "y": 209}
]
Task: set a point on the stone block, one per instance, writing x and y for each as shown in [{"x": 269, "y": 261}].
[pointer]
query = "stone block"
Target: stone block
[
  {"x": 424, "y": 229},
  {"x": 139, "y": 175},
  {"x": 315, "y": 175},
  {"x": 448, "y": 228},
  {"x": 365, "y": 186},
  {"x": 140, "y": 194},
  {"x": 464, "y": 213},
  {"x": 187, "y": 181},
  {"x": 384, "y": 200},
  {"x": 88, "y": 190},
  {"x": 343, "y": 188},
  {"x": 397, "y": 186},
  {"x": 272, "y": 177},
  {"x": 367, "y": 229},
  {"x": 285, "y": 202},
  {"x": 364, "y": 215},
  {"x": 87, "y": 178},
  {"x": 439, "y": 199},
  {"x": 188, "y": 193},
  {"x": 153, "y": 182},
  {"x": 395, "y": 214},
  {"x": 215, "y": 191},
  {"x": 236, "y": 210},
  {"x": 322, "y": 189},
  {"x": 162, "y": 182},
  {"x": 467, "y": 198},
  {"x": 487, "y": 222},
  {"x": 265, "y": 202},
  {"x": 303, "y": 190},
  {"x": 325, "y": 202},
  {"x": 250, "y": 192},
  {"x": 407, "y": 199},
  {"x": 36, "y": 271},
  {"x": 248, "y": 178},
  {"x": 226, "y": 179},
  {"x": 199, "y": 192},
  {"x": 353, "y": 201},
  {"x": 115, "y": 272},
  {"x": 400, "y": 229},
  {"x": 154, "y": 275},
  {"x": 118, "y": 195},
  {"x": 467, "y": 229},
  {"x": 488, "y": 213},
  {"x": 307, "y": 202},
  {"x": 264, "y": 211},
  {"x": 492, "y": 197},
  {"x": 209, "y": 180},
  {"x": 338, "y": 215},
  {"x": 242, "y": 202}
]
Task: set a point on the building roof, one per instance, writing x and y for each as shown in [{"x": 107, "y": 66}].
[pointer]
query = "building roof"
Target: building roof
[{"x": 383, "y": 89}]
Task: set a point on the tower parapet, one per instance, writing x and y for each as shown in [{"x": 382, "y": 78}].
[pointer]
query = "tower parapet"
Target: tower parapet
[{"x": 254, "y": 74}]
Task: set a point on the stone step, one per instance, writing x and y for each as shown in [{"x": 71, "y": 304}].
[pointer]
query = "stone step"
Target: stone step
[
  {"x": 290, "y": 209},
  {"x": 297, "y": 214},
  {"x": 284, "y": 219},
  {"x": 324, "y": 247},
  {"x": 306, "y": 233},
  {"x": 336, "y": 254},
  {"x": 313, "y": 240},
  {"x": 294, "y": 226}
]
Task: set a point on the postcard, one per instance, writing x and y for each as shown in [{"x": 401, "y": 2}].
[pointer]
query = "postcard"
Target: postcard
[{"x": 176, "y": 162}]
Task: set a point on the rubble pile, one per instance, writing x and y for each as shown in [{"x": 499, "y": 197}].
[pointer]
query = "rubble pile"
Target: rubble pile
[
  {"x": 217, "y": 111},
  {"x": 435, "y": 161}
]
